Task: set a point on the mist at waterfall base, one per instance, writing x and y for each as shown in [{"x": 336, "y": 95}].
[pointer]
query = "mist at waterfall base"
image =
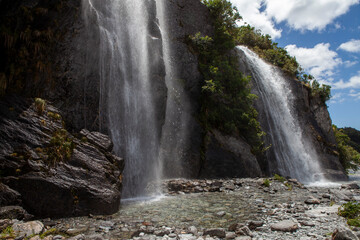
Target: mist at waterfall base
[{"x": 294, "y": 155}]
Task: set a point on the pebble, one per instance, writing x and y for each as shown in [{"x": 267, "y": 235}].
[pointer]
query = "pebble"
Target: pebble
[{"x": 241, "y": 206}]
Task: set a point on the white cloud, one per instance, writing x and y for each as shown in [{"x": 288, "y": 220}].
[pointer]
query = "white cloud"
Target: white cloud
[
  {"x": 354, "y": 94},
  {"x": 354, "y": 82},
  {"x": 307, "y": 14},
  {"x": 298, "y": 14},
  {"x": 351, "y": 46},
  {"x": 320, "y": 61},
  {"x": 337, "y": 98},
  {"x": 250, "y": 11},
  {"x": 350, "y": 63}
]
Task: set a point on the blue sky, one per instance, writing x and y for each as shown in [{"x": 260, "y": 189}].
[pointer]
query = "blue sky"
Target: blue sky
[{"x": 324, "y": 36}]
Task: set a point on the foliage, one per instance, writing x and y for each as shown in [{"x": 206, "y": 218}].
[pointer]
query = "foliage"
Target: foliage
[
  {"x": 289, "y": 186},
  {"x": 226, "y": 97},
  {"x": 279, "y": 178},
  {"x": 354, "y": 136},
  {"x": 40, "y": 105},
  {"x": 351, "y": 211},
  {"x": 27, "y": 35},
  {"x": 60, "y": 148},
  {"x": 266, "y": 182},
  {"x": 54, "y": 116},
  {"x": 349, "y": 157},
  {"x": 7, "y": 233},
  {"x": 323, "y": 91}
]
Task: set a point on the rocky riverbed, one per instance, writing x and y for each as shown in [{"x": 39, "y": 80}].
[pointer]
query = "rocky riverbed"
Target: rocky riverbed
[{"x": 211, "y": 209}]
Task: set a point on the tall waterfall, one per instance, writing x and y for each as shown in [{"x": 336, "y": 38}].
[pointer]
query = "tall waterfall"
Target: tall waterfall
[
  {"x": 294, "y": 156},
  {"x": 130, "y": 58}
]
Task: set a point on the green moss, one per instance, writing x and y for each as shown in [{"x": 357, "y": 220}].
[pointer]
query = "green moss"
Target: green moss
[
  {"x": 279, "y": 178},
  {"x": 60, "y": 148},
  {"x": 54, "y": 116},
  {"x": 8, "y": 233},
  {"x": 266, "y": 182},
  {"x": 289, "y": 186},
  {"x": 40, "y": 105},
  {"x": 51, "y": 231},
  {"x": 351, "y": 211}
]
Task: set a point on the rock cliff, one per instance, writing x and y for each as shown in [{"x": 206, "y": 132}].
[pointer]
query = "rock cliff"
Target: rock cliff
[
  {"x": 76, "y": 93},
  {"x": 51, "y": 172}
]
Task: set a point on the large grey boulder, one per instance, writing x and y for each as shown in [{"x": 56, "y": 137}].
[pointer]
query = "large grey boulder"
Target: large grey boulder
[{"x": 88, "y": 181}]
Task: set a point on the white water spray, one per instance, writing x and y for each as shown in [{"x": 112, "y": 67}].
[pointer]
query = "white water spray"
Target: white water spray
[
  {"x": 293, "y": 153},
  {"x": 126, "y": 93}
]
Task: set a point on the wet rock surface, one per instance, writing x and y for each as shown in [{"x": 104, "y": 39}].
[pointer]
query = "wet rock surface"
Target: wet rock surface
[
  {"x": 50, "y": 172},
  {"x": 252, "y": 211}
]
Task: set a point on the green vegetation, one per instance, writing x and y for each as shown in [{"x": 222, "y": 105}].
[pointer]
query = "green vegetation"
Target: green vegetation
[
  {"x": 27, "y": 37},
  {"x": 279, "y": 178},
  {"x": 349, "y": 157},
  {"x": 60, "y": 148},
  {"x": 7, "y": 233},
  {"x": 40, "y": 105},
  {"x": 266, "y": 182},
  {"x": 226, "y": 97},
  {"x": 54, "y": 116},
  {"x": 354, "y": 136},
  {"x": 226, "y": 16},
  {"x": 351, "y": 211}
]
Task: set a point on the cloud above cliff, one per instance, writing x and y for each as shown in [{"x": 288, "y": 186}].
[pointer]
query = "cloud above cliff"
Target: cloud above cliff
[
  {"x": 320, "y": 61},
  {"x": 352, "y": 46},
  {"x": 299, "y": 15},
  {"x": 353, "y": 83}
]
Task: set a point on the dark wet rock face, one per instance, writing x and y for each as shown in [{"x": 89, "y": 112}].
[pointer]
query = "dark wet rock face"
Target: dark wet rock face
[{"x": 53, "y": 174}]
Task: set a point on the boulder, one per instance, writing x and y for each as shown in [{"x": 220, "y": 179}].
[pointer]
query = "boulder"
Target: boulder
[{"x": 86, "y": 180}]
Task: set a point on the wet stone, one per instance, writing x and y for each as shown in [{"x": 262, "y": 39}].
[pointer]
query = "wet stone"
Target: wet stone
[{"x": 285, "y": 226}]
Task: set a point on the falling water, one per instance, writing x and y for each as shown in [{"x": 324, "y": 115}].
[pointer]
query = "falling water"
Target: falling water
[
  {"x": 127, "y": 99},
  {"x": 294, "y": 156},
  {"x": 175, "y": 134}
]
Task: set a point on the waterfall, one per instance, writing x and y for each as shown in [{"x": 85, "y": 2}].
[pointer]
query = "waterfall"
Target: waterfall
[
  {"x": 130, "y": 68},
  {"x": 293, "y": 153},
  {"x": 175, "y": 132}
]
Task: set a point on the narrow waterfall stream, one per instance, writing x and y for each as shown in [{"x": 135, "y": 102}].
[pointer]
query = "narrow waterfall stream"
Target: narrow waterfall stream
[
  {"x": 294, "y": 155},
  {"x": 128, "y": 48}
]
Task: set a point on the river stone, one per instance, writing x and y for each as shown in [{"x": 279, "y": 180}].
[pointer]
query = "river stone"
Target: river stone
[
  {"x": 29, "y": 228},
  {"x": 312, "y": 200},
  {"x": 344, "y": 234},
  {"x": 193, "y": 230},
  {"x": 244, "y": 231},
  {"x": 215, "y": 232},
  {"x": 230, "y": 235},
  {"x": 285, "y": 226},
  {"x": 255, "y": 224},
  {"x": 243, "y": 238},
  {"x": 14, "y": 212}
]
